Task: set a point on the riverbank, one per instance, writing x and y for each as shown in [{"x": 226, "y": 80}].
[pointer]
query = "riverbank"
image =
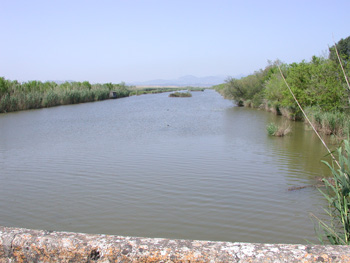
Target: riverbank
[
  {"x": 320, "y": 86},
  {"x": 15, "y": 96},
  {"x": 330, "y": 123}
]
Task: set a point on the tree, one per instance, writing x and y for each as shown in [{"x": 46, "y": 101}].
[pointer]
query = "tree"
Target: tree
[{"x": 343, "y": 47}]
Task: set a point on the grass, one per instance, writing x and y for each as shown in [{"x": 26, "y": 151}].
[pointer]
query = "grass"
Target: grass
[
  {"x": 278, "y": 131},
  {"x": 151, "y": 90},
  {"x": 180, "y": 94},
  {"x": 337, "y": 232},
  {"x": 15, "y": 96},
  {"x": 333, "y": 123},
  {"x": 154, "y": 90},
  {"x": 271, "y": 129}
]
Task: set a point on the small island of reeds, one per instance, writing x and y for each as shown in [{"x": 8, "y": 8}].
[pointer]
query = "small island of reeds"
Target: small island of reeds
[
  {"x": 276, "y": 130},
  {"x": 180, "y": 94}
]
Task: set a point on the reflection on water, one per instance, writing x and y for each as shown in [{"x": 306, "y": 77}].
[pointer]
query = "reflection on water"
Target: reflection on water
[{"x": 189, "y": 168}]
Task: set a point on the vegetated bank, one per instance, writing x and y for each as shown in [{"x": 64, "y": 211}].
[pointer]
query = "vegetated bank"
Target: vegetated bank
[
  {"x": 16, "y": 96},
  {"x": 155, "y": 90},
  {"x": 319, "y": 85}
]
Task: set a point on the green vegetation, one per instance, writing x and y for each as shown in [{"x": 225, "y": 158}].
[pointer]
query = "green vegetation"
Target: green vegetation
[
  {"x": 319, "y": 86},
  {"x": 279, "y": 131},
  {"x": 322, "y": 88},
  {"x": 343, "y": 47},
  {"x": 271, "y": 128},
  {"x": 180, "y": 94},
  {"x": 337, "y": 231},
  {"x": 195, "y": 89},
  {"x": 15, "y": 96},
  {"x": 154, "y": 90},
  {"x": 151, "y": 90},
  {"x": 335, "y": 123}
]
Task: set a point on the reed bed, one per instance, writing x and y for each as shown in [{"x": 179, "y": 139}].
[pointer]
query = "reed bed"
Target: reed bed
[
  {"x": 15, "y": 96},
  {"x": 330, "y": 123},
  {"x": 180, "y": 94},
  {"x": 337, "y": 193},
  {"x": 278, "y": 130}
]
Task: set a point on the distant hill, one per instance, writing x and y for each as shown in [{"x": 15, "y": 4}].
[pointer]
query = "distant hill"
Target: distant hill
[{"x": 188, "y": 80}]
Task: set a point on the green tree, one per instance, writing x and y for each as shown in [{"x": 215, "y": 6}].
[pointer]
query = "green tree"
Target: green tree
[
  {"x": 343, "y": 47},
  {"x": 274, "y": 88},
  {"x": 298, "y": 78},
  {"x": 327, "y": 85}
]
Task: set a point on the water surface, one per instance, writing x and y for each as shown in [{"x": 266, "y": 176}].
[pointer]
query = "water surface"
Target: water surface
[{"x": 154, "y": 166}]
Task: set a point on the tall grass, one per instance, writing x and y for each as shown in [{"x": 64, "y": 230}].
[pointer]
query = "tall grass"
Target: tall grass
[
  {"x": 337, "y": 231},
  {"x": 271, "y": 129},
  {"x": 278, "y": 130},
  {"x": 180, "y": 94},
  {"x": 15, "y": 96},
  {"x": 330, "y": 123}
]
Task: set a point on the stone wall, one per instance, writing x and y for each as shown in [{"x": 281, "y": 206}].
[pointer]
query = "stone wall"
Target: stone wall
[{"x": 26, "y": 245}]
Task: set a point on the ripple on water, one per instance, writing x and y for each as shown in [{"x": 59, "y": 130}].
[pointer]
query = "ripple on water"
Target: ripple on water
[{"x": 160, "y": 167}]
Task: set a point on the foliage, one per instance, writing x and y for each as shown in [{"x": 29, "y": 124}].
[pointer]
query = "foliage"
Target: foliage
[
  {"x": 317, "y": 83},
  {"x": 337, "y": 232},
  {"x": 180, "y": 94},
  {"x": 274, "y": 88},
  {"x": 15, "y": 96},
  {"x": 343, "y": 47},
  {"x": 245, "y": 88},
  {"x": 151, "y": 90},
  {"x": 279, "y": 131},
  {"x": 320, "y": 87},
  {"x": 271, "y": 128},
  {"x": 329, "y": 122}
]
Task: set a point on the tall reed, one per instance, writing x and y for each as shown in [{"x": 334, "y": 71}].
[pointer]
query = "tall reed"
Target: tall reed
[
  {"x": 337, "y": 231},
  {"x": 15, "y": 96}
]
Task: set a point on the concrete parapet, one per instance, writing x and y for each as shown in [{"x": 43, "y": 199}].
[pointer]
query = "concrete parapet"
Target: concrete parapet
[{"x": 26, "y": 245}]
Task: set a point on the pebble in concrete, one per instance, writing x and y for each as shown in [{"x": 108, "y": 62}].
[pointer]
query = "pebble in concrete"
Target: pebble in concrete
[{"x": 26, "y": 245}]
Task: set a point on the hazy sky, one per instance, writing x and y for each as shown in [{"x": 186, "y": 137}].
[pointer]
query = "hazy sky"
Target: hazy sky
[{"x": 129, "y": 40}]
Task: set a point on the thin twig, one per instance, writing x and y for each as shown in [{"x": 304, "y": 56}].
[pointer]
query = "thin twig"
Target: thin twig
[
  {"x": 341, "y": 65},
  {"x": 319, "y": 136}
]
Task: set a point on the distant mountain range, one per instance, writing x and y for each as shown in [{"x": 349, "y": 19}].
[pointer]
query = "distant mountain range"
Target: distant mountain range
[{"x": 188, "y": 80}]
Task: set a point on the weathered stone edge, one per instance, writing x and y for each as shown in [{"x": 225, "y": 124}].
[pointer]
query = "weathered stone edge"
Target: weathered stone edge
[{"x": 27, "y": 245}]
